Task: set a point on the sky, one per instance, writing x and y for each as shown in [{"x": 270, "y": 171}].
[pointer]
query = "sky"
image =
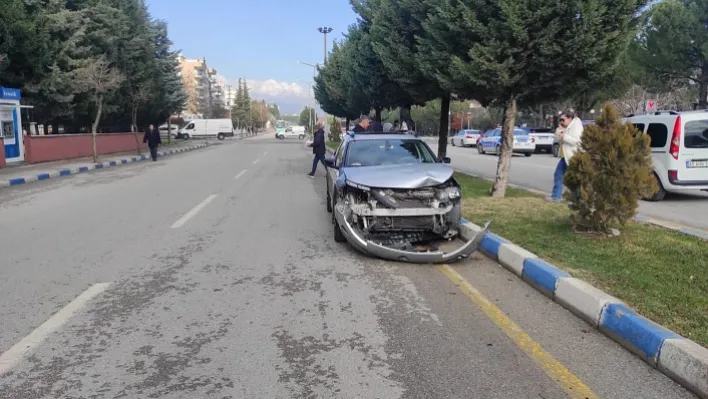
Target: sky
[{"x": 261, "y": 41}]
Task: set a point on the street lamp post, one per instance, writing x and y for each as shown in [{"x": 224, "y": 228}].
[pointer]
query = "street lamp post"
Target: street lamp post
[
  {"x": 312, "y": 108},
  {"x": 325, "y": 30}
]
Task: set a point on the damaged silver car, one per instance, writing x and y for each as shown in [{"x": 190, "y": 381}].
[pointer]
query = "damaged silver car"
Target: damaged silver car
[{"x": 392, "y": 198}]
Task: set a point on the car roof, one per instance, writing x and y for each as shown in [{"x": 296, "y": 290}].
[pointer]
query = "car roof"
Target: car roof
[{"x": 381, "y": 136}]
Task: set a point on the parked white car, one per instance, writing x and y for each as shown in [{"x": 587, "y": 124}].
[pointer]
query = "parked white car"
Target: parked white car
[
  {"x": 219, "y": 128},
  {"x": 174, "y": 131},
  {"x": 292, "y": 132},
  {"x": 679, "y": 146},
  {"x": 465, "y": 138},
  {"x": 543, "y": 137},
  {"x": 491, "y": 143}
]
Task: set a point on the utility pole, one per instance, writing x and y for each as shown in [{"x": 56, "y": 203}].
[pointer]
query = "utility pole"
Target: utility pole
[{"x": 325, "y": 30}]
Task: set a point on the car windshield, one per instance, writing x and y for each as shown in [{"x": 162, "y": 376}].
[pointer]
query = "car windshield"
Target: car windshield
[{"x": 388, "y": 152}]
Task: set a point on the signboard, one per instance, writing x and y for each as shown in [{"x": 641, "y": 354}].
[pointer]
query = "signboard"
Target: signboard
[
  {"x": 650, "y": 106},
  {"x": 10, "y": 94}
]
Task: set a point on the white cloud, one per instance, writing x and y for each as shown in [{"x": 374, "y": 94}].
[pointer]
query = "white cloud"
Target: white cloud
[{"x": 272, "y": 88}]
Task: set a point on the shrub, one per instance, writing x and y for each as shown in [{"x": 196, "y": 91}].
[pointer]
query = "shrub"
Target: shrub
[
  {"x": 609, "y": 174},
  {"x": 335, "y": 129}
]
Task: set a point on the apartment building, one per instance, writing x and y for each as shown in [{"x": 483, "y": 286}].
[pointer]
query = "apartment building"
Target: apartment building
[{"x": 201, "y": 86}]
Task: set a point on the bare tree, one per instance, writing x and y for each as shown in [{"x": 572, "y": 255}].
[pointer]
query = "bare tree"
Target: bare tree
[
  {"x": 138, "y": 96},
  {"x": 99, "y": 78}
]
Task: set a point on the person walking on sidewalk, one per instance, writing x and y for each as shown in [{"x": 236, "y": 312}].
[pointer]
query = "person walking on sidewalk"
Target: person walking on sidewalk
[
  {"x": 568, "y": 134},
  {"x": 318, "y": 148},
  {"x": 153, "y": 140}
]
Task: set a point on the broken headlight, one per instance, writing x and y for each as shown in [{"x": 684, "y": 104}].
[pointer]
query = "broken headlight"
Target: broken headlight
[{"x": 453, "y": 193}]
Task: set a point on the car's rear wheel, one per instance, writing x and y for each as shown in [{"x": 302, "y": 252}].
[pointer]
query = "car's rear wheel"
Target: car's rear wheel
[
  {"x": 528, "y": 154},
  {"x": 498, "y": 150},
  {"x": 302, "y": 136},
  {"x": 220, "y": 136},
  {"x": 556, "y": 150},
  {"x": 660, "y": 193}
]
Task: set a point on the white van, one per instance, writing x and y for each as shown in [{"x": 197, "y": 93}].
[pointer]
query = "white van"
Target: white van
[
  {"x": 292, "y": 132},
  {"x": 679, "y": 147},
  {"x": 219, "y": 128}
]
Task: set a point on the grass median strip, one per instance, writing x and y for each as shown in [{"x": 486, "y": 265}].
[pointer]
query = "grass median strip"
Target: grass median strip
[{"x": 663, "y": 274}]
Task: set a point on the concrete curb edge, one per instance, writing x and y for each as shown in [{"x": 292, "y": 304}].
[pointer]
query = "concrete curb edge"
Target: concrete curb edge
[
  {"x": 101, "y": 165},
  {"x": 681, "y": 359}
]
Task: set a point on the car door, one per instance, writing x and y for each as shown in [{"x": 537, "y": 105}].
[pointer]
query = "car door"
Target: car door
[
  {"x": 490, "y": 141},
  {"x": 332, "y": 173}
]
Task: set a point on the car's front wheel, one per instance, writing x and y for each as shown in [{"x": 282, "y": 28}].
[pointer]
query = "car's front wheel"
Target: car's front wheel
[
  {"x": 337, "y": 231},
  {"x": 528, "y": 154},
  {"x": 329, "y": 199},
  {"x": 480, "y": 149}
]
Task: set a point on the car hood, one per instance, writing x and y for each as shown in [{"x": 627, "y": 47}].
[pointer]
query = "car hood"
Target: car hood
[{"x": 405, "y": 176}]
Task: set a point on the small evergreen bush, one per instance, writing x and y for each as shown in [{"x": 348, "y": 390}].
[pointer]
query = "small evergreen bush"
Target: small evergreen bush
[
  {"x": 608, "y": 175},
  {"x": 335, "y": 129}
]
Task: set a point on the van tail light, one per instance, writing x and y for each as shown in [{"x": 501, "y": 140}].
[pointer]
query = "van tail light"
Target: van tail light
[
  {"x": 533, "y": 139},
  {"x": 676, "y": 139}
]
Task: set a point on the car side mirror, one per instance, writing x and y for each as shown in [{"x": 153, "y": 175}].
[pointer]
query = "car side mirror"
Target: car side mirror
[
  {"x": 445, "y": 160},
  {"x": 330, "y": 163}
]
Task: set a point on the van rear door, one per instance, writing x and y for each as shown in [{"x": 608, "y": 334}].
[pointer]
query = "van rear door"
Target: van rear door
[{"x": 693, "y": 156}]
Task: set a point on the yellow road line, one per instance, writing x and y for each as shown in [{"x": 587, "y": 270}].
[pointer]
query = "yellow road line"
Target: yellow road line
[{"x": 555, "y": 370}]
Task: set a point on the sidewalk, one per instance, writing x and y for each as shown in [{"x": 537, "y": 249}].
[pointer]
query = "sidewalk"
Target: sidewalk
[{"x": 21, "y": 174}]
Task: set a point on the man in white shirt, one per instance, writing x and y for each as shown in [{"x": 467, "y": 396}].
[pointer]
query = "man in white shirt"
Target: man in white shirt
[{"x": 568, "y": 134}]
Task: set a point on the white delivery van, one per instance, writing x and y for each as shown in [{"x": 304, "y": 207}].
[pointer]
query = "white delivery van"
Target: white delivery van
[
  {"x": 292, "y": 132},
  {"x": 679, "y": 148},
  {"x": 219, "y": 128}
]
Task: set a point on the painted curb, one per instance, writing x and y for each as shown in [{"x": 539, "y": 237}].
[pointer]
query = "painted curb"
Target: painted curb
[
  {"x": 681, "y": 359},
  {"x": 83, "y": 169}
]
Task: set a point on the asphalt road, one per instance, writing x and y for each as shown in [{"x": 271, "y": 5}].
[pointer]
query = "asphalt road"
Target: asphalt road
[
  {"x": 536, "y": 172},
  {"x": 214, "y": 274}
]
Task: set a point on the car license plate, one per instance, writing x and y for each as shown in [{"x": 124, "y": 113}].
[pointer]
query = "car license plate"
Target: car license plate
[
  {"x": 522, "y": 140},
  {"x": 697, "y": 163}
]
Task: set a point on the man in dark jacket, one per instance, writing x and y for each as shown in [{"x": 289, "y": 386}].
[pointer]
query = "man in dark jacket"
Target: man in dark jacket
[
  {"x": 152, "y": 138},
  {"x": 376, "y": 126},
  {"x": 318, "y": 148},
  {"x": 363, "y": 125}
]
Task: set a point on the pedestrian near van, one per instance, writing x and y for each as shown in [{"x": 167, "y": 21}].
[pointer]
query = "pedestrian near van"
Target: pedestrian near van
[
  {"x": 318, "y": 148},
  {"x": 153, "y": 140},
  {"x": 569, "y": 135}
]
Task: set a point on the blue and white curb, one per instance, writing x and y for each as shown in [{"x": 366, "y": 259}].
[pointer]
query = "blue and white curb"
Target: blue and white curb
[
  {"x": 679, "y": 358},
  {"x": 83, "y": 169}
]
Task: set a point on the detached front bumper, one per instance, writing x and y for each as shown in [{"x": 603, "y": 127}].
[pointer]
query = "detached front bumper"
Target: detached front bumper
[{"x": 384, "y": 252}]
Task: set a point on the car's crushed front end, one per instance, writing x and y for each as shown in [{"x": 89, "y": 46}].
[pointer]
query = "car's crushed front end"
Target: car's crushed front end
[{"x": 404, "y": 218}]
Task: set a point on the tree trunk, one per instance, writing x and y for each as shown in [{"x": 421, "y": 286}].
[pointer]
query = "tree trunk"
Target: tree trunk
[
  {"x": 377, "y": 116},
  {"x": 703, "y": 89},
  {"x": 405, "y": 116},
  {"x": 444, "y": 127},
  {"x": 502, "y": 178},
  {"x": 346, "y": 125},
  {"x": 99, "y": 109},
  {"x": 169, "y": 130}
]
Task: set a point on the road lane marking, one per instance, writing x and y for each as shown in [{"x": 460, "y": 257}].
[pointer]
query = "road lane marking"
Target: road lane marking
[
  {"x": 572, "y": 385},
  {"x": 28, "y": 343},
  {"x": 241, "y": 173},
  {"x": 256, "y": 161},
  {"x": 265, "y": 153},
  {"x": 184, "y": 219}
]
